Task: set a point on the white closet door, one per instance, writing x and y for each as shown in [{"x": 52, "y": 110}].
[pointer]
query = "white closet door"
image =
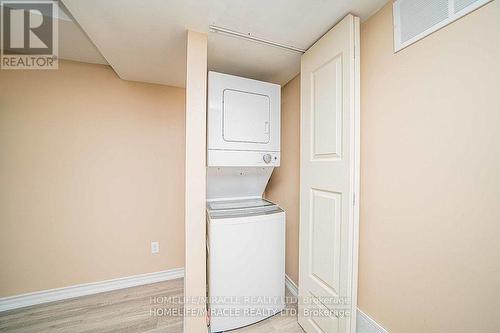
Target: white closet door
[{"x": 329, "y": 175}]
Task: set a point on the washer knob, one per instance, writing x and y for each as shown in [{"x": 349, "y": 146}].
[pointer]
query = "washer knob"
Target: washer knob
[{"x": 267, "y": 158}]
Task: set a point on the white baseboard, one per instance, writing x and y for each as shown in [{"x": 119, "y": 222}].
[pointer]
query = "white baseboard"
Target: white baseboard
[
  {"x": 365, "y": 324},
  {"x": 51, "y": 295},
  {"x": 292, "y": 287}
]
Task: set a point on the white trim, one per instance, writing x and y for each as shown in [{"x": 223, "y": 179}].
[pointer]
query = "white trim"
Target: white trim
[
  {"x": 367, "y": 325},
  {"x": 51, "y": 295},
  {"x": 292, "y": 287},
  {"x": 356, "y": 189}
]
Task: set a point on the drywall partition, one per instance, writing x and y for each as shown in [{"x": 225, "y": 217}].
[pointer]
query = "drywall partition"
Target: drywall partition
[
  {"x": 87, "y": 178},
  {"x": 283, "y": 188},
  {"x": 430, "y": 187},
  {"x": 195, "y": 267}
]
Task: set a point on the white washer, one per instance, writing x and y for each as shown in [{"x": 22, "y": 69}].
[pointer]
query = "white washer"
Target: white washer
[{"x": 246, "y": 262}]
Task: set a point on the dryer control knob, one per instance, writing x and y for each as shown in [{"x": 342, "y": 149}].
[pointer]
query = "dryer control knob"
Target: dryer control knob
[{"x": 267, "y": 158}]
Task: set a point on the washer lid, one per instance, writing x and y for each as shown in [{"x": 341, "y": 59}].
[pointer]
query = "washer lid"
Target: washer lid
[
  {"x": 238, "y": 204},
  {"x": 238, "y": 213}
]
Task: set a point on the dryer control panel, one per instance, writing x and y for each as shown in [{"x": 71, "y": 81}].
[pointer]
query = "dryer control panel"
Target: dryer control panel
[{"x": 234, "y": 158}]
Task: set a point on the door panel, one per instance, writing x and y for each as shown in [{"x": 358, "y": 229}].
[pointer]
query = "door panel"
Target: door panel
[
  {"x": 325, "y": 255},
  {"x": 321, "y": 322},
  {"x": 326, "y": 88},
  {"x": 328, "y": 179}
]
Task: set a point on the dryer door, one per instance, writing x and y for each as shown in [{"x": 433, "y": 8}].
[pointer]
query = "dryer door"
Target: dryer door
[
  {"x": 245, "y": 117},
  {"x": 243, "y": 114}
]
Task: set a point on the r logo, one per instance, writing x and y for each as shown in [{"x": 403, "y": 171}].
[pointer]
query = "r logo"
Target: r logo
[{"x": 28, "y": 28}]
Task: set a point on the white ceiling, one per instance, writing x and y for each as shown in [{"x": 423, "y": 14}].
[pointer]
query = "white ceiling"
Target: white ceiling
[
  {"x": 74, "y": 43},
  {"x": 145, "y": 40}
]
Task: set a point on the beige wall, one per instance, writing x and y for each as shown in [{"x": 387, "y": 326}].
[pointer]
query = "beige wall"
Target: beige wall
[
  {"x": 430, "y": 185},
  {"x": 284, "y": 185},
  {"x": 91, "y": 171}
]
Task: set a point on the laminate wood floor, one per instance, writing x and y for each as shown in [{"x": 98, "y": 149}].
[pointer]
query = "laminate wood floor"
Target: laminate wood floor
[{"x": 137, "y": 309}]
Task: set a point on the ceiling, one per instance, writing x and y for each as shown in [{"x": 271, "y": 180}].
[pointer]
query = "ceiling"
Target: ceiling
[
  {"x": 145, "y": 40},
  {"x": 73, "y": 42}
]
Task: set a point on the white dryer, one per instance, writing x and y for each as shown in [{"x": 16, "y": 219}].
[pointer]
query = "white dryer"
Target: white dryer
[
  {"x": 246, "y": 261},
  {"x": 243, "y": 122}
]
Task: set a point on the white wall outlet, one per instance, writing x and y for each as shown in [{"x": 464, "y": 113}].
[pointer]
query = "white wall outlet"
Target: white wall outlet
[{"x": 155, "y": 247}]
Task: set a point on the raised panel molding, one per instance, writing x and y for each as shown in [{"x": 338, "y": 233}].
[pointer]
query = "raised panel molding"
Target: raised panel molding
[
  {"x": 326, "y": 109},
  {"x": 325, "y": 225},
  {"x": 323, "y": 323}
]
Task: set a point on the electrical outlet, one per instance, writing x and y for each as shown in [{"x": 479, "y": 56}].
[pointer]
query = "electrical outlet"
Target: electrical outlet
[{"x": 155, "y": 247}]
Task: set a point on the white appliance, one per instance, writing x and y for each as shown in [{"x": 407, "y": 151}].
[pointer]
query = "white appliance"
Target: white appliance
[
  {"x": 245, "y": 233},
  {"x": 243, "y": 122},
  {"x": 246, "y": 256}
]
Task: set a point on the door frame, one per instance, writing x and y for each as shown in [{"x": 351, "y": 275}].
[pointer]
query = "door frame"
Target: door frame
[{"x": 357, "y": 173}]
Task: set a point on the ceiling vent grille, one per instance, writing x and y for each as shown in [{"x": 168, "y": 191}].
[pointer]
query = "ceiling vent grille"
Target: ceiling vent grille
[{"x": 415, "y": 19}]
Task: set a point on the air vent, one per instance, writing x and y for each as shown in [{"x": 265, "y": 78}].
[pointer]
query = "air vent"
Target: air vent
[
  {"x": 462, "y": 4},
  {"x": 415, "y": 19}
]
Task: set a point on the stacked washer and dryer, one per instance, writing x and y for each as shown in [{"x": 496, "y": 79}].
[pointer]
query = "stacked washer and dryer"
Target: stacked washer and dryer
[{"x": 245, "y": 233}]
